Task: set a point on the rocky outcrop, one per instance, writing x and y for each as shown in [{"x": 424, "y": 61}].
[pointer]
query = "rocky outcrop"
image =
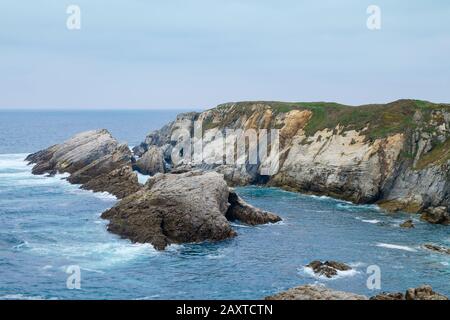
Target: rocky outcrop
[
  {"x": 120, "y": 182},
  {"x": 438, "y": 215},
  {"x": 328, "y": 269},
  {"x": 315, "y": 292},
  {"x": 396, "y": 155},
  {"x": 151, "y": 162},
  {"x": 435, "y": 248},
  {"x": 93, "y": 159},
  {"x": 408, "y": 224},
  {"x": 242, "y": 211},
  {"x": 180, "y": 208},
  {"x": 421, "y": 293}
]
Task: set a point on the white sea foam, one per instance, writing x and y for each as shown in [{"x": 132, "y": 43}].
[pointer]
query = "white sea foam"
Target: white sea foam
[
  {"x": 142, "y": 178},
  {"x": 395, "y": 246},
  {"x": 20, "y": 296},
  {"x": 340, "y": 274},
  {"x": 373, "y": 221}
]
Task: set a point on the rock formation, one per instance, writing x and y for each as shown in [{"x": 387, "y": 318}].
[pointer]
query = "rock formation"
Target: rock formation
[
  {"x": 408, "y": 224},
  {"x": 396, "y": 155},
  {"x": 151, "y": 162},
  {"x": 421, "y": 293},
  {"x": 93, "y": 159},
  {"x": 328, "y": 269},
  {"x": 315, "y": 292},
  {"x": 180, "y": 208},
  {"x": 242, "y": 211},
  {"x": 438, "y": 215},
  {"x": 435, "y": 248}
]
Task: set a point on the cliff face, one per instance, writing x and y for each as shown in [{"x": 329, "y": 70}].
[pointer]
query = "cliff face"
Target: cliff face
[{"x": 397, "y": 154}]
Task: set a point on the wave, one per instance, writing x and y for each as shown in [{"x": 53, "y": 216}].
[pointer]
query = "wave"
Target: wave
[
  {"x": 20, "y": 296},
  {"x": 395, "y": 246},
  {"x": 373, "y": 221}
]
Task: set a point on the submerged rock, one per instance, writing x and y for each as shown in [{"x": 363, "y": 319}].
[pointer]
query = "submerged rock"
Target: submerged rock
[
  {"x": 90, "y": 158},
  {"x": 408, "y": 224},
  {"x": 438, "y": 215},
  {"x": 315, "y": 292},
  {"x": 328, "y": 269},
  {"x": 181, "y": 208},
  {"x": 435, "y": 248}
]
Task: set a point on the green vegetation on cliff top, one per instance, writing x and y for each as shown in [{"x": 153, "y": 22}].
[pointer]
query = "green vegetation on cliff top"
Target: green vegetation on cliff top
[{"x": 380, "y": 120}]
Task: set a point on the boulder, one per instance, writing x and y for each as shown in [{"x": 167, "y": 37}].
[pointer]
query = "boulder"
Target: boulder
[
  {"x": 408, "y": 224},
  {"x": 151, "y": 162},
  {"x": 315, "y": 292},
  {"x": 424, "y": 293},
  {"x": 181, "y": 208},
  {"x": 242, "y": 211},
  {"x": 437, "y": 215},
  {"x": 88, "y": 156},
  {"x": 174, "y": 208},
  {"x": 328, "y": 269}
]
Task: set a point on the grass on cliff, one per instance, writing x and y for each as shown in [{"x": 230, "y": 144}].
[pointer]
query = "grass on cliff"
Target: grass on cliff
[
  {"x": 439, "y": 155},
  {"x": 379, "y": 120}
]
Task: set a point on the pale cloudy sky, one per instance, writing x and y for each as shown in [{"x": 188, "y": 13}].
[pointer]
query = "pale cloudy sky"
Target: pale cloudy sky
[{"x": 198, "y": 53}]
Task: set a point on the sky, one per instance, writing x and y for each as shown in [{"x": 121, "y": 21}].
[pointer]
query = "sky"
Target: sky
[{"x": 195, "y": 54}]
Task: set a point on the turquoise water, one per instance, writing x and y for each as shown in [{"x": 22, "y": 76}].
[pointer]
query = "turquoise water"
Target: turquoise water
[{"x": 47, "y": 225}]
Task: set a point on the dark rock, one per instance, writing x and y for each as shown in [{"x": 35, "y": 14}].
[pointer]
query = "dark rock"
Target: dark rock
[
  {"x": 389, "y": 296},
  {"x": 92, "y": 158},
  {"x": 408, "y": 224},
  {"x": 242, "y": 211},
  {"x": 436, "y": 248},
  {"x": 174, "y": 208},
  {"x": 151, "y": 162},
  {"x": 437, "y": 215},
  {"x": 315, "y": 292},
  {"x": 328, "y": 269},
  {"x": 121, "y": 182}
]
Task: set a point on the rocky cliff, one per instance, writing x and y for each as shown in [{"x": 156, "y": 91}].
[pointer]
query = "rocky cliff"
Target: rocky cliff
[{"x": 396, "y": 155}]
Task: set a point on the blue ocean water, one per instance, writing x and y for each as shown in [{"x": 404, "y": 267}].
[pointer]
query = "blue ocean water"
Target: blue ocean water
[{"x": 47, "y": 225}]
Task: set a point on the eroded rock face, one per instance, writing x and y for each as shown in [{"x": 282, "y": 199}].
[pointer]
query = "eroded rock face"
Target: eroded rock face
[
  {"x": 401, "y": 170},
  {"x": 438, "y": 215},
  {"x": 120, "y": 182},
  {"x": 315, "y": 292},
  {"x": 92, "y": 158},
  {"x": 174, "y": 208},
  {"x": 328, "y": 269},
  {"x": 151, "y": 162},
  {"x": 180, "y": 208}
]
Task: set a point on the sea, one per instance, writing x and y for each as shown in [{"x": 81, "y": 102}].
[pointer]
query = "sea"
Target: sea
[{"x": 49, "y": 228}]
